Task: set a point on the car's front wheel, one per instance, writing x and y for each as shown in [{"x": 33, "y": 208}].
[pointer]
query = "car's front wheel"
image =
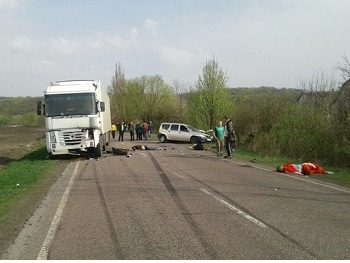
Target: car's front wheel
[
  {"x": 162, "y": 138},
  {"x": 193, "y": 140}
]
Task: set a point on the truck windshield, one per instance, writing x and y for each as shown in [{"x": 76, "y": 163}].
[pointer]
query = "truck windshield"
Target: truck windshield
[{"x": 70, "y": 104}]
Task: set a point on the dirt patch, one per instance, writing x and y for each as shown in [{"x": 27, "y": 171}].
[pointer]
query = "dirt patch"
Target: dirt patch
[{"x": 17, "y": 142}]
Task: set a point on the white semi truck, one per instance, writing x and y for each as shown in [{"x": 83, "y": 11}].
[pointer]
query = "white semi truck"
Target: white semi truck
[{"x": 77, "y": 117}]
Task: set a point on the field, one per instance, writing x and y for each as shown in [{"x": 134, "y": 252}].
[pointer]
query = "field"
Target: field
[
  {"x": 16, "y": 142},
  {"x": 16, "y": 152}
]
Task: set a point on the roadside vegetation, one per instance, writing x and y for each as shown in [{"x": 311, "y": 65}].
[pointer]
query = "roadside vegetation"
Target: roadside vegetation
[
  {"x": 340, "y": 177},
  {"x": 308, "y": 124},
  {"x": 19, "y": 176},
  {"x": 25, "y": 178}
]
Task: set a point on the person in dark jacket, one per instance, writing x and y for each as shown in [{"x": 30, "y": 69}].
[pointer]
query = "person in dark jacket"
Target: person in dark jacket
[
  {"x": 121, "y": 130},
  {"x": 132, "y": 131},
  {"x": 230, "y": 137},
  {"x": 139, "y": 132}
]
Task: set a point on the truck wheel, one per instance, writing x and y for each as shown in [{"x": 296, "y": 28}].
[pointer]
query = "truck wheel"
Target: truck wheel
[
  {"x": 193, "y": 140},
  {"x": 99, "y": 148}
]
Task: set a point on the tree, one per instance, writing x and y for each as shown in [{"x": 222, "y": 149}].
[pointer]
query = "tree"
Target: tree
[
  {"x": 180, "y": 90},
  {"x": 150, "y": 97},
  {"x": 211, "y": 99},
  {"x": 117, "y": 92},
  {"x": 5, "y": 120},
  {"x": 30, "y": 119},
  {"x": 344, "y": 68}
]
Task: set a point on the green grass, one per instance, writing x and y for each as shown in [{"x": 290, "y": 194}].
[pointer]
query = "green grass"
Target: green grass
[
  {"x": 341, "y": 176},
  {"x": 18, "y": 177}
]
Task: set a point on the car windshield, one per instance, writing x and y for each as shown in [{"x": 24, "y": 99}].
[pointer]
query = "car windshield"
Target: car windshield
[{"x": 192, "y": 129}]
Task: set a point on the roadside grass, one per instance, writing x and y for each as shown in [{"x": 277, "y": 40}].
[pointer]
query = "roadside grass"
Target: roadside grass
[
  {"x": 23, "y": 185},
  {"x": 341, "y": 176},
  {"x": 18, "y": 177}
]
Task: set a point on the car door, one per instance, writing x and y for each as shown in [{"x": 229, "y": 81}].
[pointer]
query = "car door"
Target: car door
[
  {"x": 173, "y": 133},
  {"x": 184, "y": 133}
]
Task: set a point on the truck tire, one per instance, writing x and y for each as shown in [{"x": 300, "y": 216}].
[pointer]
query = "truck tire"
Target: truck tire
[{"x": 99, "y": 148}]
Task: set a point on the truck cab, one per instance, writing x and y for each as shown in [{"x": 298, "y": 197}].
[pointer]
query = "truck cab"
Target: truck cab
[{"x": 77, "y": 117}]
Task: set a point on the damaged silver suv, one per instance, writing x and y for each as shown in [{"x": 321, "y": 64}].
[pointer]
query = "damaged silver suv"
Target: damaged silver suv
[{"x": 181, "y": 132}]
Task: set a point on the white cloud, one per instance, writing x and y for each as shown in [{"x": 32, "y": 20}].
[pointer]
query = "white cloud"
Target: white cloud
[
  {"x": 175, "y": 56},
  {"x": 152, "y": 26},
  {"x": 48, "y": 63},
  {"x": 258, "y": 42},
  {"x": 134, "y": 37},
  {"x": 64, "y": 46},
  {"x": 11, "y": 4},
  {"x": 22, "y": 44},
  {"x": 114, "y": 41}
]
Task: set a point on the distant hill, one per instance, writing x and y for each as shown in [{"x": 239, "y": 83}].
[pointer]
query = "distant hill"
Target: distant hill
[{"x": 14, "y": 106}]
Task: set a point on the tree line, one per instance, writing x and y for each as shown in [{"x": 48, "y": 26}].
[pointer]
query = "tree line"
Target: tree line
[
  {"x": 20, "y": 111},
  {"x": 310, "y": 123}
]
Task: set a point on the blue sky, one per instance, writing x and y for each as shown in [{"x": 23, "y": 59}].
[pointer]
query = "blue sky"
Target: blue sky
[{"x": 256, "y": 42}]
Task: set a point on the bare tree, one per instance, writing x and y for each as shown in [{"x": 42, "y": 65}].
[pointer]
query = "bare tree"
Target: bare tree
[
  {"x": 117, "y": 92},
  {"x": 180, "y": 89},
  {"x": 318, "y": 91},
  {"x": 344, "y": 67}
]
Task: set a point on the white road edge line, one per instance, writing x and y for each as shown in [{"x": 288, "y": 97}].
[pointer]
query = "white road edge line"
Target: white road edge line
[
  {"x": 145, "y": 155},
  {"x": 44, "y": 251},
  {"x": 238, "y": 211},
  {"x": 302, "y": 179}
]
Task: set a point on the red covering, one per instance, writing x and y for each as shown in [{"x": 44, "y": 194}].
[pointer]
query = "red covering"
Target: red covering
[
  {"x": 307, "y": 168},
  {"x": 289, "y": 168},
  {"x": 312, "y": 168}
]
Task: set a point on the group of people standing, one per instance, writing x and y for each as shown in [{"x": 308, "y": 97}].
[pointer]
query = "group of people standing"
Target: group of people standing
[
  {"x": 142, "y": 131},
  {"x": 223, "y": 134},
  {"x": 225, "y": 137}
]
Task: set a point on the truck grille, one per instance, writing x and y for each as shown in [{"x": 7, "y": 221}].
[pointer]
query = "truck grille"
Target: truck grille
[{"x": 71, "y": 138}]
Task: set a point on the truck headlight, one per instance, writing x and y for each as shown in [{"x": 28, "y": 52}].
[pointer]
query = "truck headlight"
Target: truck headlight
[{"x": 52, "y": 137}]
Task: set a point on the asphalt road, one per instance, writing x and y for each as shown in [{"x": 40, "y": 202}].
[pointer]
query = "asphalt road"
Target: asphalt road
[{"x": 184, "y": 204}]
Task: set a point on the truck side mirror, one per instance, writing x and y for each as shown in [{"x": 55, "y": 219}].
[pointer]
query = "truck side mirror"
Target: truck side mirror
[{"x": 39, "y": 108}]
